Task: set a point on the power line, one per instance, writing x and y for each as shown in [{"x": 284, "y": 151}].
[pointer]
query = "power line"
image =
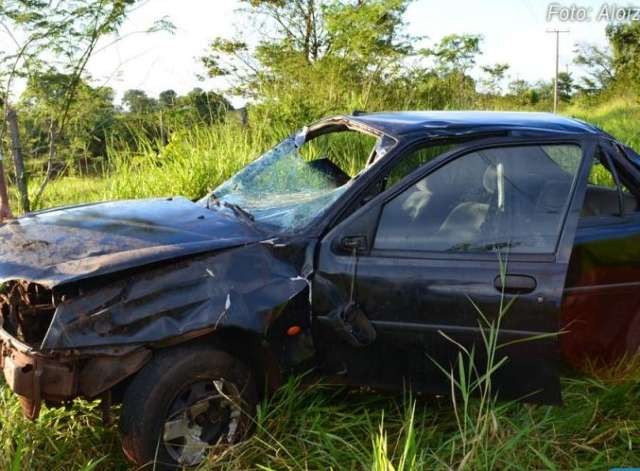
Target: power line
[{"x": 555, "y": 88}]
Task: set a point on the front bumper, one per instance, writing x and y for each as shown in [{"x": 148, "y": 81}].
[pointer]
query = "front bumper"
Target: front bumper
[
  {"x": 35, "y": 377},
  {"x": 58, "y": 378}
]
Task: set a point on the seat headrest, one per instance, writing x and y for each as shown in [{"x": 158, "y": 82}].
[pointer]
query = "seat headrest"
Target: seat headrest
[
  {"x": 489, "y": 179},
  {"x": 553, "y": 196}
]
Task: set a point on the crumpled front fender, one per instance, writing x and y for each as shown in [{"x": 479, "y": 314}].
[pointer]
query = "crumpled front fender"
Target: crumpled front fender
[{"x": 244, "y": 287}]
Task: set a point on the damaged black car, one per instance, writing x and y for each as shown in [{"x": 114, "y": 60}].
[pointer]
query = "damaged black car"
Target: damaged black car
[{"x": 361, "y": 249}]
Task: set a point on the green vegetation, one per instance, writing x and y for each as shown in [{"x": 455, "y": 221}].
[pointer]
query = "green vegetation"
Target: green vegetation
[
  {"x": 328, "y": 428},
  {"x": 197, "y": 158},
  {"x": 347, "y": 55},
  {"x": 322, "y": 428},
  {"x": 619, "y": 116},
  {"x": 350, "y": 55}
]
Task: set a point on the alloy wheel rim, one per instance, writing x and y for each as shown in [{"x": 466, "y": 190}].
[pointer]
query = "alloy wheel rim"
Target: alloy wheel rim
[{"x": 203, "y": 416}]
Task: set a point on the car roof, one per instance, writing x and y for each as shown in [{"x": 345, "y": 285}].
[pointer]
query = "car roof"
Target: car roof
[{"x": 459, "y": 123}]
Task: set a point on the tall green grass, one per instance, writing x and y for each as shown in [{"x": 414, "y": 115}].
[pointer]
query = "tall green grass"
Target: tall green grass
[
  {"x": 191, "y": 163},
  {"x": 325, "y": 428},
  {"x": 619, "y": 116},
  {"x": 198, "y": 159},
  {"x": 194, "y": 161}
]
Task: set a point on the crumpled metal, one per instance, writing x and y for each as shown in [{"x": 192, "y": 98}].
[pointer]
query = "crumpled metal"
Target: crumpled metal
[{"x": 245, "y": 287}]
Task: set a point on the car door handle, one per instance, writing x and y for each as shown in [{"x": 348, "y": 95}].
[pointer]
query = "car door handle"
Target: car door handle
[{"x": 515, "y": 284}]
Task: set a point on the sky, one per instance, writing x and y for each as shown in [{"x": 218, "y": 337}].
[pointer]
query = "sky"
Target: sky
[{"x": 514, "y": 32}]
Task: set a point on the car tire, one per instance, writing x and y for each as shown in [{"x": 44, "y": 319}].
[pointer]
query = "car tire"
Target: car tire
[{"x": 204, "y": 394}]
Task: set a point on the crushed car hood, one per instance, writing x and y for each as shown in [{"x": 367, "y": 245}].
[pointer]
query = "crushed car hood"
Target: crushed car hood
[{"x": 69, "y": 244}]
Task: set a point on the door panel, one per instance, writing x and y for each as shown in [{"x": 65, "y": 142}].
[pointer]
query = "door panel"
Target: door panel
[
  {"x": 601, "y": 304},
  {"x": 422, "y": 281},
  {"x": 419, "y": 301}
]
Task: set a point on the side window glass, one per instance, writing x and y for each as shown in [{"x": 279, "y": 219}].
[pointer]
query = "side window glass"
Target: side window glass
[
  {"x": 601, "y": 197},
  {"x": 631, "y": 199},
  {"x": 415, "y": 160},
  {"x": 508, "y": 198},
  {"x": 600, "y": 175}
]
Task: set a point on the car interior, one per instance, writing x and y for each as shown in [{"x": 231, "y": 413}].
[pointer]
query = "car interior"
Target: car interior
[
  {"x": 517, "y": 202},
  {"x": 603, "y": 201},
  {"x": 602, "y": 195}
]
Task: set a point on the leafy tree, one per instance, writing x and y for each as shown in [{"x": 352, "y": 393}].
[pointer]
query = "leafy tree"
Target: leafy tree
[
  {"x": 598, "y": 66},
  {"x": 314, "y": 55},
  {"x": 137, "y": 101},
  {"x": 367, "y": 32},
  {"x": 625, "y": 43},
  {"x": 532, "y": 96},
  {"x": 59, "y": 36},
  {"x": 455, "y": 53},
  {"x": 565, "y": 86},
  {"x": 167, "y": 98},
  {"x": 206, "y": 107},
  {"x": 495, "y": 76},
  {"x": 526, "y": 94},
  {"x": 518, "y": 87},
  {"x": 454, "y": 56},
  {"x": 90, "y": 116},
  {"x": 156, "y": 119},
  {"x": 543, "y": 89}
]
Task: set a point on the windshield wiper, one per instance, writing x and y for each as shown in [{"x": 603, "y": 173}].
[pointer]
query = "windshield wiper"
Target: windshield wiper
[
  {"x": 238, "y": 210},
  {"x": 232, "y": 206},
  {"x": 212, "y": 198}
]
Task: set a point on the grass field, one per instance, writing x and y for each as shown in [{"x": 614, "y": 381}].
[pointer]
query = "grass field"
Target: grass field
[{"x": 322, "y": 428}]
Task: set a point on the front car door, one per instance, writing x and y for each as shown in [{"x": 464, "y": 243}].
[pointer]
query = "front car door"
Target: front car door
[{"x": 422, "y": 262}]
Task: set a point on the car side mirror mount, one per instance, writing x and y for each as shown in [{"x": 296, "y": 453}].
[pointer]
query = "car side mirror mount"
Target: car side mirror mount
[
  {"x": 357, "y": 232},
  {"x": 366, "y": 199},
  {"x": 355, "y": 243}
]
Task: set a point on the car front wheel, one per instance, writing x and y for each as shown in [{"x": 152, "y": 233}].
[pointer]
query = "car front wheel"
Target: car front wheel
[{"x": 187, "y": 402}]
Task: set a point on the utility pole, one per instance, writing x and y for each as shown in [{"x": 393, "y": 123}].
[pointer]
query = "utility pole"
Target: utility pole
[{"x": 555, "y": 88}]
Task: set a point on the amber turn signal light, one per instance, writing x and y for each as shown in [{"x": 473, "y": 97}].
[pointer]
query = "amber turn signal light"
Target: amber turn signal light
[{"x": 293, "y": 330}]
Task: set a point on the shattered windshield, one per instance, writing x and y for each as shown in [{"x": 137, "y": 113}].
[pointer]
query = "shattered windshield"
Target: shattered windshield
[{"x": 293, "y": 183}]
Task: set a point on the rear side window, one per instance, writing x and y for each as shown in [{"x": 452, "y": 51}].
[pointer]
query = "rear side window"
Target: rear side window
[
  {"x": 510, "y": 198},
  {"x": 606, "y": 191}
]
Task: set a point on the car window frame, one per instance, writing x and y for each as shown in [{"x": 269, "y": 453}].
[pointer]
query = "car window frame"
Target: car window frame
[
  {"x": 586, "y": 145},
  {"x": 389, "y": 143},
  {"x": 586, "y": 221},
  {"x": 630, "y": 175},
  {"x": 405, "y": 146},
  {"x": 618, "y": 159},
  {"x": 616, "y": 179}
]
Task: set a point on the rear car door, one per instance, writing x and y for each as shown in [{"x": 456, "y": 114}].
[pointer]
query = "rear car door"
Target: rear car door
[
  {"x": 601, "y": 305},
  {"x": 422, "y": 262}
]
